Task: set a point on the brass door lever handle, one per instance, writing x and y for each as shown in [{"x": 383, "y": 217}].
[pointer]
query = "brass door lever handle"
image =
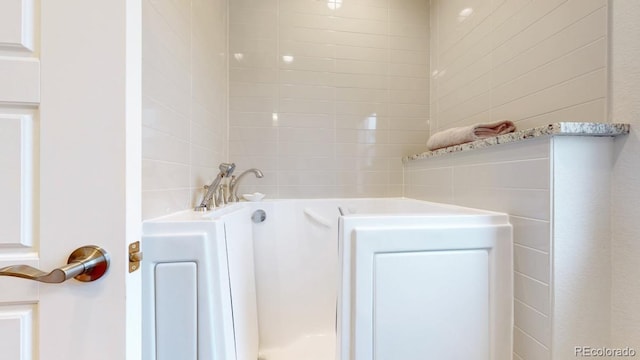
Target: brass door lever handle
[{"x": 85, "y": 264}]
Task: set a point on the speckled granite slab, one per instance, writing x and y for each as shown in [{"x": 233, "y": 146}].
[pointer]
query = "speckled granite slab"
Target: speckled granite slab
[{"x": 557, "y": 129}]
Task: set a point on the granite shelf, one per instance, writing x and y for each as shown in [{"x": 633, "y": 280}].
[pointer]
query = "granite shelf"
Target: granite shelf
[{"x": 557, "y": 129}]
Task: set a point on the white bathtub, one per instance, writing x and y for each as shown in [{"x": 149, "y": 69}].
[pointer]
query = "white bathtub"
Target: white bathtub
[{"x": 331, "y": 287}]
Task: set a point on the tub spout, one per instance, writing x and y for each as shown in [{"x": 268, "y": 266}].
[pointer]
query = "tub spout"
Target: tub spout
[{"x": 235, "y": 182}]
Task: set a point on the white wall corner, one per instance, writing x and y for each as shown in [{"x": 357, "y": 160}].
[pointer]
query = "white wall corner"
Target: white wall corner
[{"x": 581, "y": 247}]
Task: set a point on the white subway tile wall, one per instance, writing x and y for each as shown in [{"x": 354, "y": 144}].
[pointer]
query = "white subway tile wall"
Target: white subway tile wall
[
  {"x": 558, "y": 192},
  {"x": 512, "y": 178},
  {"x": 625, "y": 81},
  {"x": 184, "y": 80},
  {"x": 326, "y": 96},
  {"x": 532, "y": 62}
]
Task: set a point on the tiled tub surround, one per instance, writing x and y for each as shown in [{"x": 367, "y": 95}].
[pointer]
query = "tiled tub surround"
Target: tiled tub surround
[
  {"x": 532, "y": 62},
  {"x": 184, "y": 98},
  {"x": 326, "y": 98},
  {"x": 557, "y": 190}
]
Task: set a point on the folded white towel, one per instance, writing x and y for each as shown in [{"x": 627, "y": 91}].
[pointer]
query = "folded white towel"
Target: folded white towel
[{"x": 465, "y": 134}]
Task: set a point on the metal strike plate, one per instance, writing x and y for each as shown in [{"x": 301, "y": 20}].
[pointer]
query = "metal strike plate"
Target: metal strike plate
[{"x": 135, "y": 256}]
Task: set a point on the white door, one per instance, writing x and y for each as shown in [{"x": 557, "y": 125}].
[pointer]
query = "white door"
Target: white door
[{"x": 69, "y": 174}]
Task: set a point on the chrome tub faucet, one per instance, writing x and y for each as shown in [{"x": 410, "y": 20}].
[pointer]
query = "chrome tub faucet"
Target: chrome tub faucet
[
  {"x": 208, "y": 202},
  {"x": 235, "y": 183}
]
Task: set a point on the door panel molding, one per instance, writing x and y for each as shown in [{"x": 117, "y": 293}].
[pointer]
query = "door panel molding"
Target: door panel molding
[
  {"x": 20, "y": 80},
  {"x": 17, "y": 25},
  {"x": 16, "y": 172},
  {"x": 17, "y": 331}
]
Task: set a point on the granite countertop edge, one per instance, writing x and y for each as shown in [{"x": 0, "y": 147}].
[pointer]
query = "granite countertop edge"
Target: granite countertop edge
[{"x": 556, "y": 129}]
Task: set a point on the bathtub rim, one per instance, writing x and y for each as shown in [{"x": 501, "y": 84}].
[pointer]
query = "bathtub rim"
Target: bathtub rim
[{"x": 449, "y": 210}]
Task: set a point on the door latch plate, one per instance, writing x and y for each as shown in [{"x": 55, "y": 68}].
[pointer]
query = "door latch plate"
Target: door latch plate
[{"x": 135, "y": 256}]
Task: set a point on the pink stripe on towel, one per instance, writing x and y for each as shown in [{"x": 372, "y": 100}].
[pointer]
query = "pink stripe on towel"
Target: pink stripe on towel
[{"x": 465, "y": 134}]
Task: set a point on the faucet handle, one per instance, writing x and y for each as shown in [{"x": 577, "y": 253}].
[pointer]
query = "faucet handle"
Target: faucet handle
[{"x": 221, "y": 194}]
